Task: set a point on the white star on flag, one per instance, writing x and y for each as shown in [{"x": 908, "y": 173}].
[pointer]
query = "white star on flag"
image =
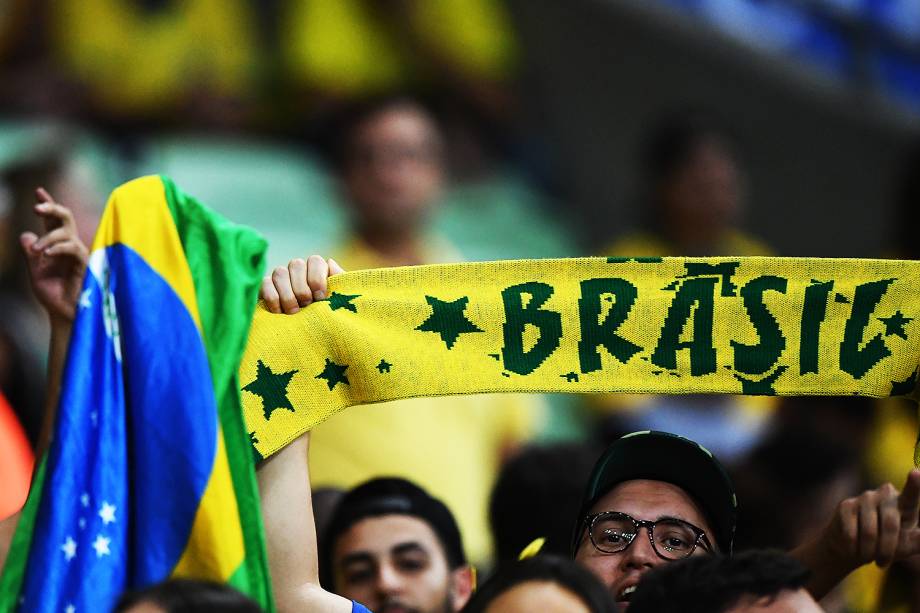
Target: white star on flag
[
  {"x": 94, "y": 417},
  {"x": 70, "y": 609},
  {"x": 69, "y": 548},
  {"x": 107, "y": 513},
  {"x": 84, "y": 499},
  {"x": 101, "y": 545},
  {"x": 82, "y": 523},
  {"x": 84, "y": 298}
]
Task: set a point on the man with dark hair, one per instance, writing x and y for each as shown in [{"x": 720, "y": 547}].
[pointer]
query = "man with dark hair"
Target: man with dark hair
[
  {"x": 394, "y": 548},
  {"x": 668, "y": 485},
  {"x": 677, "y": 494},
  {"x": 767, "y": 581}
]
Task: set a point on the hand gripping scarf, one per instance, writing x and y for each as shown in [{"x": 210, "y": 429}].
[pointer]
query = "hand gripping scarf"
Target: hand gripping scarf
[{"x": 774, "y": 326}]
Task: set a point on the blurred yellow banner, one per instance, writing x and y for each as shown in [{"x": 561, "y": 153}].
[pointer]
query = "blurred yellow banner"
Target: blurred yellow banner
[{"x": 784, "y": 326}]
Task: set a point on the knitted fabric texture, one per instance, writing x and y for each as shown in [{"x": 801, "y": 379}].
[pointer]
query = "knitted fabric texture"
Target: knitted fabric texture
[{"x": 776, "y": 326}]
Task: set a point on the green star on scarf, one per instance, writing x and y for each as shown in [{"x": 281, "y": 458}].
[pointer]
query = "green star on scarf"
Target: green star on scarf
[
  {"x": 333, "y": 374},
  {"x": 448, "y": 319},
  {"x": 343, "y": 301},
  {"x": 895, "y": 324},
  {"x": 384, "y": 366},
  {"x": 272, "y": 388}
]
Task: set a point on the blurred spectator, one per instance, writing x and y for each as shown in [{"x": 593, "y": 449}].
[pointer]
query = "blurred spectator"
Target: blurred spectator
[
  {"x": 544, "y": 583},
  {"x": 693, "y": 202},
  {"x": 186, "y": 596},
  {"x": 536, "y": 496},
  {"x": 694, "y": 195},
  {"x": 392, "y": 547},
  {"x": 750, "y": 581},
  {"x": 390, "y": 164},
  {"x": 147, "y": 60},
  {"x": 16, "y": 462},
  {"x": 461, "y": 52}
]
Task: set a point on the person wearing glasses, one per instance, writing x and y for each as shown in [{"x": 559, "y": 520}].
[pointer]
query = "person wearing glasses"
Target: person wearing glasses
[{"x": 653, "y": 498}]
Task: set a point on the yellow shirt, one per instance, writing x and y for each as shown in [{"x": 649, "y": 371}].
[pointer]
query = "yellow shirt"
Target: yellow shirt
[
  {"x": 451, "y": 446},
  {"x": 641, "y": 244}
]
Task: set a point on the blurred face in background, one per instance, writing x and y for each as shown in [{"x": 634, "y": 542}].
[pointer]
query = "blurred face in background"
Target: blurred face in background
[
  {"x": 394, "y": 168},
  {"x": 395, "y": 564},
  {"x": 537, "y": 596},
  {"x": 701, "y": 198},
  {"x": 642, "y": 499}
]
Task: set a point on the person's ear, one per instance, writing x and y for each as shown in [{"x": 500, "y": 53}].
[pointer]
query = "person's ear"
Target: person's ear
[{"x": 463, "y": 582}]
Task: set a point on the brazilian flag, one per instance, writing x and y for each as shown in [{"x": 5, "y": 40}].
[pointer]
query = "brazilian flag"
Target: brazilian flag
[{"x": 150, "y": 473}]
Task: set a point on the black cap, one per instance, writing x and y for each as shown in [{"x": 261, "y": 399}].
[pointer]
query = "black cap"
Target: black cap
[
  {"x": 661, "y": 456},
  {"x": 390, "y": 496}
]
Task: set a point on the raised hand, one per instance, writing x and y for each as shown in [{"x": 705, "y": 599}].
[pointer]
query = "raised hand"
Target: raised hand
[
  {"x": 56, "y": 260},
  {"x": 287, "y": 290},
  {"x": 879, "y": 525}
]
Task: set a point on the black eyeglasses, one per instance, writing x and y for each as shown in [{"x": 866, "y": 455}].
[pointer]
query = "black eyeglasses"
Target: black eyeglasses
[{"x": 671, "y": 538}]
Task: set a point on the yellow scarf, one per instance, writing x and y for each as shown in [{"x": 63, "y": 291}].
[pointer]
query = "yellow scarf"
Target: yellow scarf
[{"x": 784, "y": 326}]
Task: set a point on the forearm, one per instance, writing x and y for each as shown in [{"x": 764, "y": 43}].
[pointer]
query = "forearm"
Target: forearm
[
  {"x": 290, "y": 532},
  {"x": 60, "y": 338}
]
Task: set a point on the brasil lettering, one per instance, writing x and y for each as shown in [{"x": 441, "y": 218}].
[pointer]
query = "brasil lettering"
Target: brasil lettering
[{"x": 787, "y": 326}]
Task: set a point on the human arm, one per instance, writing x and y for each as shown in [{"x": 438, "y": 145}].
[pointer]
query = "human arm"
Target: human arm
[
  {"x": 290, "y": 532},
  {"x": 284, "y": 478},
  {"x": 56, "y": 261},
  {"x": 879, "y": 525}
]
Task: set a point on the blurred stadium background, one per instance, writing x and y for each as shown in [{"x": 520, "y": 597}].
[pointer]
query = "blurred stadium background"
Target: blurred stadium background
[{"x": 545, "y": 104}]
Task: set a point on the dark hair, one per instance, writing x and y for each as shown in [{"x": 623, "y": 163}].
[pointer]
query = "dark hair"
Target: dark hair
[
  {"x": 190, "y": 596},
  {"x": 543, "y": 568},
  {"x": 712, "y": 584},
  {"x": 390, "y": 496},
  {"x": 536, "y": 495},
  {"x": 676, "y": 137},
  {"x": 336, "y": 139}
]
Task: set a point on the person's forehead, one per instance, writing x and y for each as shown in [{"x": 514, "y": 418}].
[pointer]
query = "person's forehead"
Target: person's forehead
[
  {"x": 650, "y": 499},
  {"x": 396, "y": 122},
  {"x": 379, "y": 535}
]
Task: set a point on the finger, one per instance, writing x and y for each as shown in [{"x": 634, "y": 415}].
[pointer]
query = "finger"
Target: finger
[
  {"x": 55, "y": 215},
  {"x": 282, "y": 280},
  {"x": 297, "y": 270},
  {"x": 55, "y": 236},
  {"x": 317, "y": 273},
  {"x": 889, "y": 525},
  {"x": 70, "y": 248},
  {"x": 868, "y": 527},
  {"x": 334, "y": 268},
  {"x": 269, "y": 295},
  {"x": 849, "y": 524},
  {"x": 42, "y": 195},
  {"x": 909, "y": 501}
]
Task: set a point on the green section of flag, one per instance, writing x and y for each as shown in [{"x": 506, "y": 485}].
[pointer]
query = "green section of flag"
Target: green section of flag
[
  {"x": 226, "y": 261},
  {"x": 15, "y": 568}
]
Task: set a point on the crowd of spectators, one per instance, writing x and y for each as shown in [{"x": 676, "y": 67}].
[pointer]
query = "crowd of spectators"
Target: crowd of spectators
[{"x": 416, "y": 501}]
